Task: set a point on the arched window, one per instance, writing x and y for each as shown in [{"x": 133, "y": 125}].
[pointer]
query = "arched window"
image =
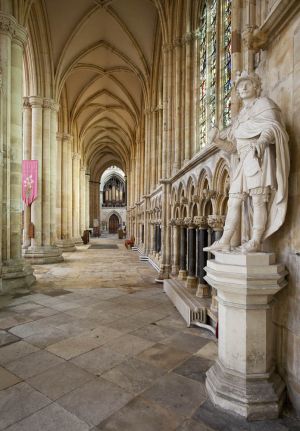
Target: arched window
[
  {"x": 203, "y": 73},
  {"x": 215, "y": 66},
  {"x": 226, "y": 72}
]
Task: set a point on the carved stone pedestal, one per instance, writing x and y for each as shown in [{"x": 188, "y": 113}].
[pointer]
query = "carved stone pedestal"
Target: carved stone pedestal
[
  {"x": 39, "y": 255},
  {"x": 244, "y": 379}
]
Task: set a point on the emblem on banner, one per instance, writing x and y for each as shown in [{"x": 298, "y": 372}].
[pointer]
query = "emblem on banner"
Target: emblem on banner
[{"x": 29, "y": 181}]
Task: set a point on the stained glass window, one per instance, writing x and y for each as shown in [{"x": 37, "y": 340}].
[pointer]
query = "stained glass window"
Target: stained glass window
[
  {"x": 215, "y": 65},
  {"x": 203, "y": 73},
  {"x": 227, "y": 62},
  {"x": 212, "y": 60}
]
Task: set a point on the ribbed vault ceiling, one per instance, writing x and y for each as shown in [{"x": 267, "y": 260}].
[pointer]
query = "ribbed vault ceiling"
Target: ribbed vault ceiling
[{"x": 102, "y": 54}]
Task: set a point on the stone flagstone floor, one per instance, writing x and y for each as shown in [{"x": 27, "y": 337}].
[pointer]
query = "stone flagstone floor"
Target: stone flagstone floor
[{"x": 98, "y": 346}]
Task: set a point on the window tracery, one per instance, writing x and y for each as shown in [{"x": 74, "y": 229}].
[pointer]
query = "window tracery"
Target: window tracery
[{"x": 215, "y": 66}]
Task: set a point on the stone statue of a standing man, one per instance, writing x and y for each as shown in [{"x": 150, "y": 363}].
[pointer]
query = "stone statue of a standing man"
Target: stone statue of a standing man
[{"x": 260, "y": 179}]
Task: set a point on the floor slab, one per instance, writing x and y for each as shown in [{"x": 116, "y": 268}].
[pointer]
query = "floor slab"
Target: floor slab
[{"x": 106, "y": 350}]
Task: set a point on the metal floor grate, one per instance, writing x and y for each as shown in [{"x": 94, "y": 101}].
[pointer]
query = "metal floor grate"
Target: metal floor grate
[{"x": 103, "y": 246}]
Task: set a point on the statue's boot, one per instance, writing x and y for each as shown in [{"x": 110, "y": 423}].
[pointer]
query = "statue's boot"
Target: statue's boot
[
  {"x": 259, "y": 225},
  {"x": 218, "y": 245},
  {"x": 232, "y": 219}
]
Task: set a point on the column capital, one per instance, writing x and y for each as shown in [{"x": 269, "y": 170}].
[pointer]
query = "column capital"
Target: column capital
[
  {"x": 76, "y": 156},
  {"x": 201, "y": 222},
  {"x": 216, "y": 222},
  {"x": 9, "y": 26},
  {"x": 50, "y": 104},
  {"x": 20, "y": 35},
  {"x": 172, "y": 222},
  {"x": 59, "y": 136},
  {"x": 177, "y": 42},
  {"x": 187, "y": 38},
  {"x": 189, "y": 222},
  {"x": 67, "y": 137},
  {"x": 180, "y": 222},
  {"x": 26, "y": 103},
  {"x": 47, "y": 103},
  {"x": 36, "y": 101},
  {"x": 167, "y": 47},
  {"x": 209, "y": 194}
]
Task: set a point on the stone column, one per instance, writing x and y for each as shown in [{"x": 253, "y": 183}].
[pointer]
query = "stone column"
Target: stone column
[
  {"x": 42, "y": 249},
  {"x": 243, "y": 378},
  {"x": 203, "y": 290},
  {"x": 55, "y": 172},
  {"x": 15, "y": 272},
  {"x": 59, "y": 139},
  {"x": 216, "y": 223},
  {"x": 165, "y": 267},
  {"x": 176, "y": 246},
  {"x": 159, "y": 238},
  {"x": 46, "y": 175},
  {"x": 76, "y": 193},
  {"x": 154, "y": 246},
  {"x": 83, "y": 226},
  {"x": 66, "y": 243},
  {"x": 87, "y": 198},
  {"x": 36, "y": 154},
  {"x": 26, "y": 156},
  {"x": 183, "y": 249},
  {"x": 191, "y": 278}
]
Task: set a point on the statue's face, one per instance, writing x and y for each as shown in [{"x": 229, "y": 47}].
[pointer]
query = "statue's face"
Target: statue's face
[{"x": 246, "y": 89}]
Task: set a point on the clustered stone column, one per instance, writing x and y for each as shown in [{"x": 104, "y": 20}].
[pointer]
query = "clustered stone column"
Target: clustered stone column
[
  {"x": 41, "y": 248},
  {"x": 76, "y": 196},
  {"x": 15, "y": 272},
  {"x": 203, "y": 290},
  {"x": 176, "y": 246},
  {"x": 183, "y": 249},
  {"x": 83, "y": 200},
  {"x": 191, "y": 255},
  {"x": 66, "y": 242}
]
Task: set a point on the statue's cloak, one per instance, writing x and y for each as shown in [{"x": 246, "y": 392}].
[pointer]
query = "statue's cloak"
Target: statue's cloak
[{"x": 265, "y": 116}]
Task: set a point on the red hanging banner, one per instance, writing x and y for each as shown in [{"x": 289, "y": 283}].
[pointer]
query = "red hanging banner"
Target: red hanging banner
[{"x": 29, "y": 181}]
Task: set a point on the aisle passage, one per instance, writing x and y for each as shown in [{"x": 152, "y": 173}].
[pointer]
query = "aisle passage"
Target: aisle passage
[{"x": 98, "y": 346}]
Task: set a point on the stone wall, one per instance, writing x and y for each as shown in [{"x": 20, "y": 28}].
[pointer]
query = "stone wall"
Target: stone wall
[{"x": 279, "y": 68}]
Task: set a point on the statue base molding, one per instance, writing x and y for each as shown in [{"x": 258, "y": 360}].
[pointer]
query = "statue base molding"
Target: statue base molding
[
  {"x": 255, "y": 398},
  {"x": 244, "y": 379}
]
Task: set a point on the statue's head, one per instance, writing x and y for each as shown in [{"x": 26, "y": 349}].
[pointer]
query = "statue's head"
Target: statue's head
[{"x": 247, "y": 85}]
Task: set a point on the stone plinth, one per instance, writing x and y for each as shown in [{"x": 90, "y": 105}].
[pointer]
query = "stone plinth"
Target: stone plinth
[
  {"x": 66, "y": 245},
  {"x": 16, "y": 274},
  {"x": 244, "y": 379},
  {"x": 77, "y": 240},
  {"x": 39, "y": 255}
]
